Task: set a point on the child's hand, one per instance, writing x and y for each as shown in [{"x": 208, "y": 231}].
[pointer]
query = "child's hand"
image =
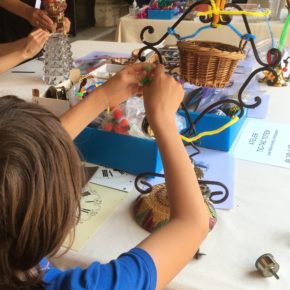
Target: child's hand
[
  {"x": 125, "y": 84},
  {"x": 162, "y": 98},
  {"x": 34, "y": 42},
  {"x": 38, "y": 18}
]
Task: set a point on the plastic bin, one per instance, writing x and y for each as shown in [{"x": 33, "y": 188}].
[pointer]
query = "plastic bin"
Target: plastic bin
[
  {"x": 161, "y": 14},
  {"x": 131, "y": 154},
  {"x": 225, "y": 139}
]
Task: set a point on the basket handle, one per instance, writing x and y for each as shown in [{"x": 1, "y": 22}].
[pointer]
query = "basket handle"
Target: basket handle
[{"x": 242, "y": 44}]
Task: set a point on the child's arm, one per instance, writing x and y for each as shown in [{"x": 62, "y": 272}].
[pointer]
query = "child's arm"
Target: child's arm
[
  {"x": 174, "y": 245},
  {"x": 36, "y": 17},
  {"x": 31, "y": 45},
  {"x": 115, "y": 91}
]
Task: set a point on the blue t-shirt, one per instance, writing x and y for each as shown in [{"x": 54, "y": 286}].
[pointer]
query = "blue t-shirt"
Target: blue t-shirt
[{"x": 134, "y": 270}]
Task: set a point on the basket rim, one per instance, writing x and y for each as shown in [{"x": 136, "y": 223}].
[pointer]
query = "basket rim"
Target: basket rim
[{"x": 193, "y": 47}]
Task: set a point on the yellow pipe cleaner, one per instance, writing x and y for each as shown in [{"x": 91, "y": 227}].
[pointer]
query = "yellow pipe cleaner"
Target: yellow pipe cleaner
[
  {"x": 209, "y": 133},
  {"x": 216, "y": 11}
]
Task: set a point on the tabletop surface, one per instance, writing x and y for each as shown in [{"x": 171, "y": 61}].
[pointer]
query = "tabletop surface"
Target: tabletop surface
[{"x": 259, "y": 223}]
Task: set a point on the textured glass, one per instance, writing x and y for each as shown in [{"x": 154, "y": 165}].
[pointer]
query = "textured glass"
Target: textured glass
[{"x": 57, "y": 59}]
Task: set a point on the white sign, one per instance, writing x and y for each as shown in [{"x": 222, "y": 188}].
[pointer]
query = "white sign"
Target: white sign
[{"x": 264, "y": 142}]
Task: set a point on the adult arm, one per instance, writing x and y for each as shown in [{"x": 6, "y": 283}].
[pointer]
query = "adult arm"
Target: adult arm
[
  {"x": 9, "y": 47},
  {"x": 175, "y": 244},
  {"x": 31, "y": 46},
  {"x": 36, "y": 17}
]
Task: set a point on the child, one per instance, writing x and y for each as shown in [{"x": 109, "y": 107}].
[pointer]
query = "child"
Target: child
[
  {"x": 14, "y": 53},
  {"x": 41, "y": 181}
]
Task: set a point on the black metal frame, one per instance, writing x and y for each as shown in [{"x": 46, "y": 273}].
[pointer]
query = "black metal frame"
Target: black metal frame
[
  {"x": 223, "y": 21},
  {"x": 213, "y": 196}
]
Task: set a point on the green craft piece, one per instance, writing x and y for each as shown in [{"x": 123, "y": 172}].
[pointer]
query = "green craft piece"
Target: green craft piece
[
  {"x": 284, "y": 33},
  {"x": 146, "y": 81},
  {"x": 148, "y": 67},
  {"x": 80, "y": 95}
]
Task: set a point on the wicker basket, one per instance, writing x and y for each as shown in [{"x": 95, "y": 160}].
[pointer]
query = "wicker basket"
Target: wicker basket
[{"x": 208, "y": 64}]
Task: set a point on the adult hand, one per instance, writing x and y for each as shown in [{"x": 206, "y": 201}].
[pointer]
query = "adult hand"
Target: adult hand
[
  {"x": 34, "y": 43},
  {"x": 125, "y": 84},
  {"x": 162, "y": 97},
  {"x": 38, "y": 18},
  {"x": 66, "y": 26}
]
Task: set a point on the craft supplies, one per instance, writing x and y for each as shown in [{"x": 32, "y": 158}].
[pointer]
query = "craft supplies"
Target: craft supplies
[
  {"x": 267, "y": 266},
  {"x": 147, "y": 79},
  {"x": 115, "y": 121},
  {"x": 134, "y": 9}
]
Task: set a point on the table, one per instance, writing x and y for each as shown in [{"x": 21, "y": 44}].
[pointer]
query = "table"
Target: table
[
  {"x": 129, "y": 30},
  {"x": 258, "y": 224}
]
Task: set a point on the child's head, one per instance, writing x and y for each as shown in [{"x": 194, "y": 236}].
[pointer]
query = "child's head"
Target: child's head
[{"x": 40, "y": 186}]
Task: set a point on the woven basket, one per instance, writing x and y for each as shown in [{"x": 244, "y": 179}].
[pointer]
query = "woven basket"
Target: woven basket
[{"x": 208, "y": 64}]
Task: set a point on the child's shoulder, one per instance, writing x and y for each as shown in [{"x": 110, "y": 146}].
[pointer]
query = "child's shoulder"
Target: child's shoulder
[{"x": 132, "y": 270}]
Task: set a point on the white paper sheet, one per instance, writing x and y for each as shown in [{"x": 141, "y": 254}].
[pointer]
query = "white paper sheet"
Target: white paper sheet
[{"x": 264, "y": 142}]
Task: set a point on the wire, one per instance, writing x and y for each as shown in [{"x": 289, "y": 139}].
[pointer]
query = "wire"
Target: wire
[{"x": 209, "y": 133}]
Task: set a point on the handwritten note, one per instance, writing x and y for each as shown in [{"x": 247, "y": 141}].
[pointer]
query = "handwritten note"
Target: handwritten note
[{"x": 264, "y": 142}]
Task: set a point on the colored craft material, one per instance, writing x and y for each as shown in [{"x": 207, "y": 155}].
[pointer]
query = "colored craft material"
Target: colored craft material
[
  {"x": 215, "y": 11},
  {"x": 146, "y": 80},
  {"x": 284, "y": 33}
]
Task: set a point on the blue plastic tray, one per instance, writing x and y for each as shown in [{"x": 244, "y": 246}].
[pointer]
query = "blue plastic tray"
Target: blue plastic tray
[
  {"x": 225, "y": 139},
  {"x": 131, "y": 154}
]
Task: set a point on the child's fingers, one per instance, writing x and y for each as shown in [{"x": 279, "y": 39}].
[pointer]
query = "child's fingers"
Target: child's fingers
[{"x": 159, "y": 70}]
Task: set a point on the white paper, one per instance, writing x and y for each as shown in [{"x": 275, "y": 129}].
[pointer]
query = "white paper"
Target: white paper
[
  {"x": 264, "y": 142},
  {"x": 113, "y": 178}
]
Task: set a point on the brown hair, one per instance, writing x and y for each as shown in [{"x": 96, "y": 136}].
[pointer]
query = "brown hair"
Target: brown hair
[{"x": 40, "y": 186}]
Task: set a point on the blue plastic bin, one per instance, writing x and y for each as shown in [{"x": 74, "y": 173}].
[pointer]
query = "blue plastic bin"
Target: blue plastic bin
[
  {"x": 131, "y": 154},
  {"x": 222, "y": 141},
  {"x": 161, "y": 14},
  {"x": 136, "y": 155}
]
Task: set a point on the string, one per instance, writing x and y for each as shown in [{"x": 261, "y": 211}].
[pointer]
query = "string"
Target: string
[
  {"x": 271, "y": 32},
  {"x": 210, "y": 133}
]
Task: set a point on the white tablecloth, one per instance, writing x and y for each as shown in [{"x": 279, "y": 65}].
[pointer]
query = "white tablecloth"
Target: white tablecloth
[
  {"x": 129, "y": 29},
  {"x": 259, "y": 222}
]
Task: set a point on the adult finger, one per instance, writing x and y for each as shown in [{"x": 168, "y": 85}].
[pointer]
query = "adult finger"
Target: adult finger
[{"x": 45, "y": 18}]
